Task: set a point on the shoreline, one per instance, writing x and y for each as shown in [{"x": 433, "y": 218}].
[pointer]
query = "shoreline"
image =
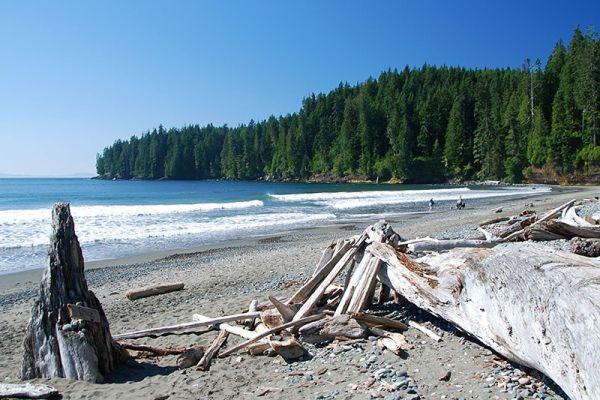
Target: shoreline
[
  {"x": 541, "y": 179},
  {"x": 130, "y": 256},
  {"x": 34, "y": 275}
]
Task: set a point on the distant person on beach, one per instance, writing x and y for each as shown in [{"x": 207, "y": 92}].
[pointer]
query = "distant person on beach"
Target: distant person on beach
[
  {"x": 431, "y": 204},
  {"x": 460, "y": 204}
]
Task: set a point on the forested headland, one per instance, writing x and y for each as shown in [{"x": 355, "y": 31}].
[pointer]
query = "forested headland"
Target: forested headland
[{"x": 428, "y": 124}]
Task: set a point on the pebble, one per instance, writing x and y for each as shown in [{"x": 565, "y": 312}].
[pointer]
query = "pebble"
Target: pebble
[
  {"x": 523, "y": 394},
  {"x": 523, "y": 381},
  {"x": 446, "y": 376}
]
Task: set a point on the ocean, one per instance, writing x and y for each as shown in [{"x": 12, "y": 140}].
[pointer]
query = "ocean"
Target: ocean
[{"x": 115, "y": 219}]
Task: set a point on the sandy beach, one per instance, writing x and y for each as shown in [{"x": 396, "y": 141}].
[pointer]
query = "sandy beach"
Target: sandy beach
[{"x": 223, "y": 279}]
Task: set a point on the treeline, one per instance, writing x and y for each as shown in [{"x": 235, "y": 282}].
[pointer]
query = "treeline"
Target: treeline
[{"x": 416, "y": 125}]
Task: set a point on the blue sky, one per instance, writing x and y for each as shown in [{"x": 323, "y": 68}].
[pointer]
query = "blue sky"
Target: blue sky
[{"x": 75, "y": 76}]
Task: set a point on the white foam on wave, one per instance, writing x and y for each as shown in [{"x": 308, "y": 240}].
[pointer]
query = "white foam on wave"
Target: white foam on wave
[
  {"x": 329, "y": 196},
  {"x": 107, "y": 229},
  {"x": 20, "y": 216},
  {"x": 349, "y": 200}
]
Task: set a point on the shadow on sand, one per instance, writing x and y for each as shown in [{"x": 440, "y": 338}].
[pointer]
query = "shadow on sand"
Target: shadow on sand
[{"x": 134, "y": 371}]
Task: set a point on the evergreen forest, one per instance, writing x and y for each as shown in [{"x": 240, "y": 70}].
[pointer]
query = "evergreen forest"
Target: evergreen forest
[{"x": 427, "y": 124}]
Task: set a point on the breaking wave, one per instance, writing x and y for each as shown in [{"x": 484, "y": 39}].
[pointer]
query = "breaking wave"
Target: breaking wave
[{"x": 349, "y": 200}]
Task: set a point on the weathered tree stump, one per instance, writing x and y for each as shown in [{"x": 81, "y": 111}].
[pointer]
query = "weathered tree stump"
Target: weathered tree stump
[{"x": 68, "y": 334}]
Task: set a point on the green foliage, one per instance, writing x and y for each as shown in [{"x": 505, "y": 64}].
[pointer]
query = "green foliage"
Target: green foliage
[
  {"x": 416, "y": 125},
  {"x": 590, "y": 155}
]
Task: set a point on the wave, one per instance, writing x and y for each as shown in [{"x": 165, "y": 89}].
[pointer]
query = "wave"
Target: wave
[
  {"x": 312, "y": 197},
  {"x": 349, "y": 200},
  {"x": 110, "y": 230},
  {"x": 20, "y": 216}
]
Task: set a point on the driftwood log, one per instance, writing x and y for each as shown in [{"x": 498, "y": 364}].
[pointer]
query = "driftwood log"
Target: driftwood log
[
  {"x": 153, "y": 290},
  {"x": 27, "y": 391},
  {"x": 190, "y": 357},
  {"x": 534, "y": 305},
  {"x": 430, "y": 244},
  {"x": 186, "y": 326},
  {"x": 149, "y": 351},
  {"x": 291, "y": 324},
  {"x": 212, "y": 351},
  {"x": 68, "y": 334}
]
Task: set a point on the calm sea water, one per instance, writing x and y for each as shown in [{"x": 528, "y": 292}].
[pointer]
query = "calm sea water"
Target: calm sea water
[{"x": 122, "y": 218}]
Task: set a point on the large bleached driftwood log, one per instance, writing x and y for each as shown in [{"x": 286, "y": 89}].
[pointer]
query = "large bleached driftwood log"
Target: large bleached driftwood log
[
  {"x": 536, "y": 306},
  {"x": 68, "y": 334}
]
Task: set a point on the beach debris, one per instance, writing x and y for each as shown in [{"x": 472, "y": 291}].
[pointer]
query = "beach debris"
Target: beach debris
[
  {"x": 190, "y": 357},
  {"x": 27, "y": 391},
  {"x": 153, "y": 290},
  {"x": 374, "y": 320},
  {"x": 384, "y": 294},
  {"x": 253, "y": 307},
  {"x": 266, "y": 390},
  {"x": 68, "y": 335},
  {"x": 258, "y": 349},
  {"x": 233, "y": 329},
  {"x": 287, "y": 347},
  {"x": 212, "y": 351},
  {"x": 186, "y": 326},
  {"x": 425, "y": 330},
  {"x": 343, "y": 326},
  {"x": 394, "y": 341},
  {"x": 287, "y": 312},
  {"x": 391, "y": 345},
  {"x": 149, "y": 351},
  {"x": 292, "y": 324}
]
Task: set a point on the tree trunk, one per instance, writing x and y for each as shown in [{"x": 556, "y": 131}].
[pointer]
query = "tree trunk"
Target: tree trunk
[
  {"x": 68, "y": 334},
  {"x": 534, "y": 305}
]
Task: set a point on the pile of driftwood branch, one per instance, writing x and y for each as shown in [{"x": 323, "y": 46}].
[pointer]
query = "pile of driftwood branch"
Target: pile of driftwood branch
[
  {"x": 562, "y": 222},
  {"x": 323, "y": 308},
  {"x": 535, "y": 305}
]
